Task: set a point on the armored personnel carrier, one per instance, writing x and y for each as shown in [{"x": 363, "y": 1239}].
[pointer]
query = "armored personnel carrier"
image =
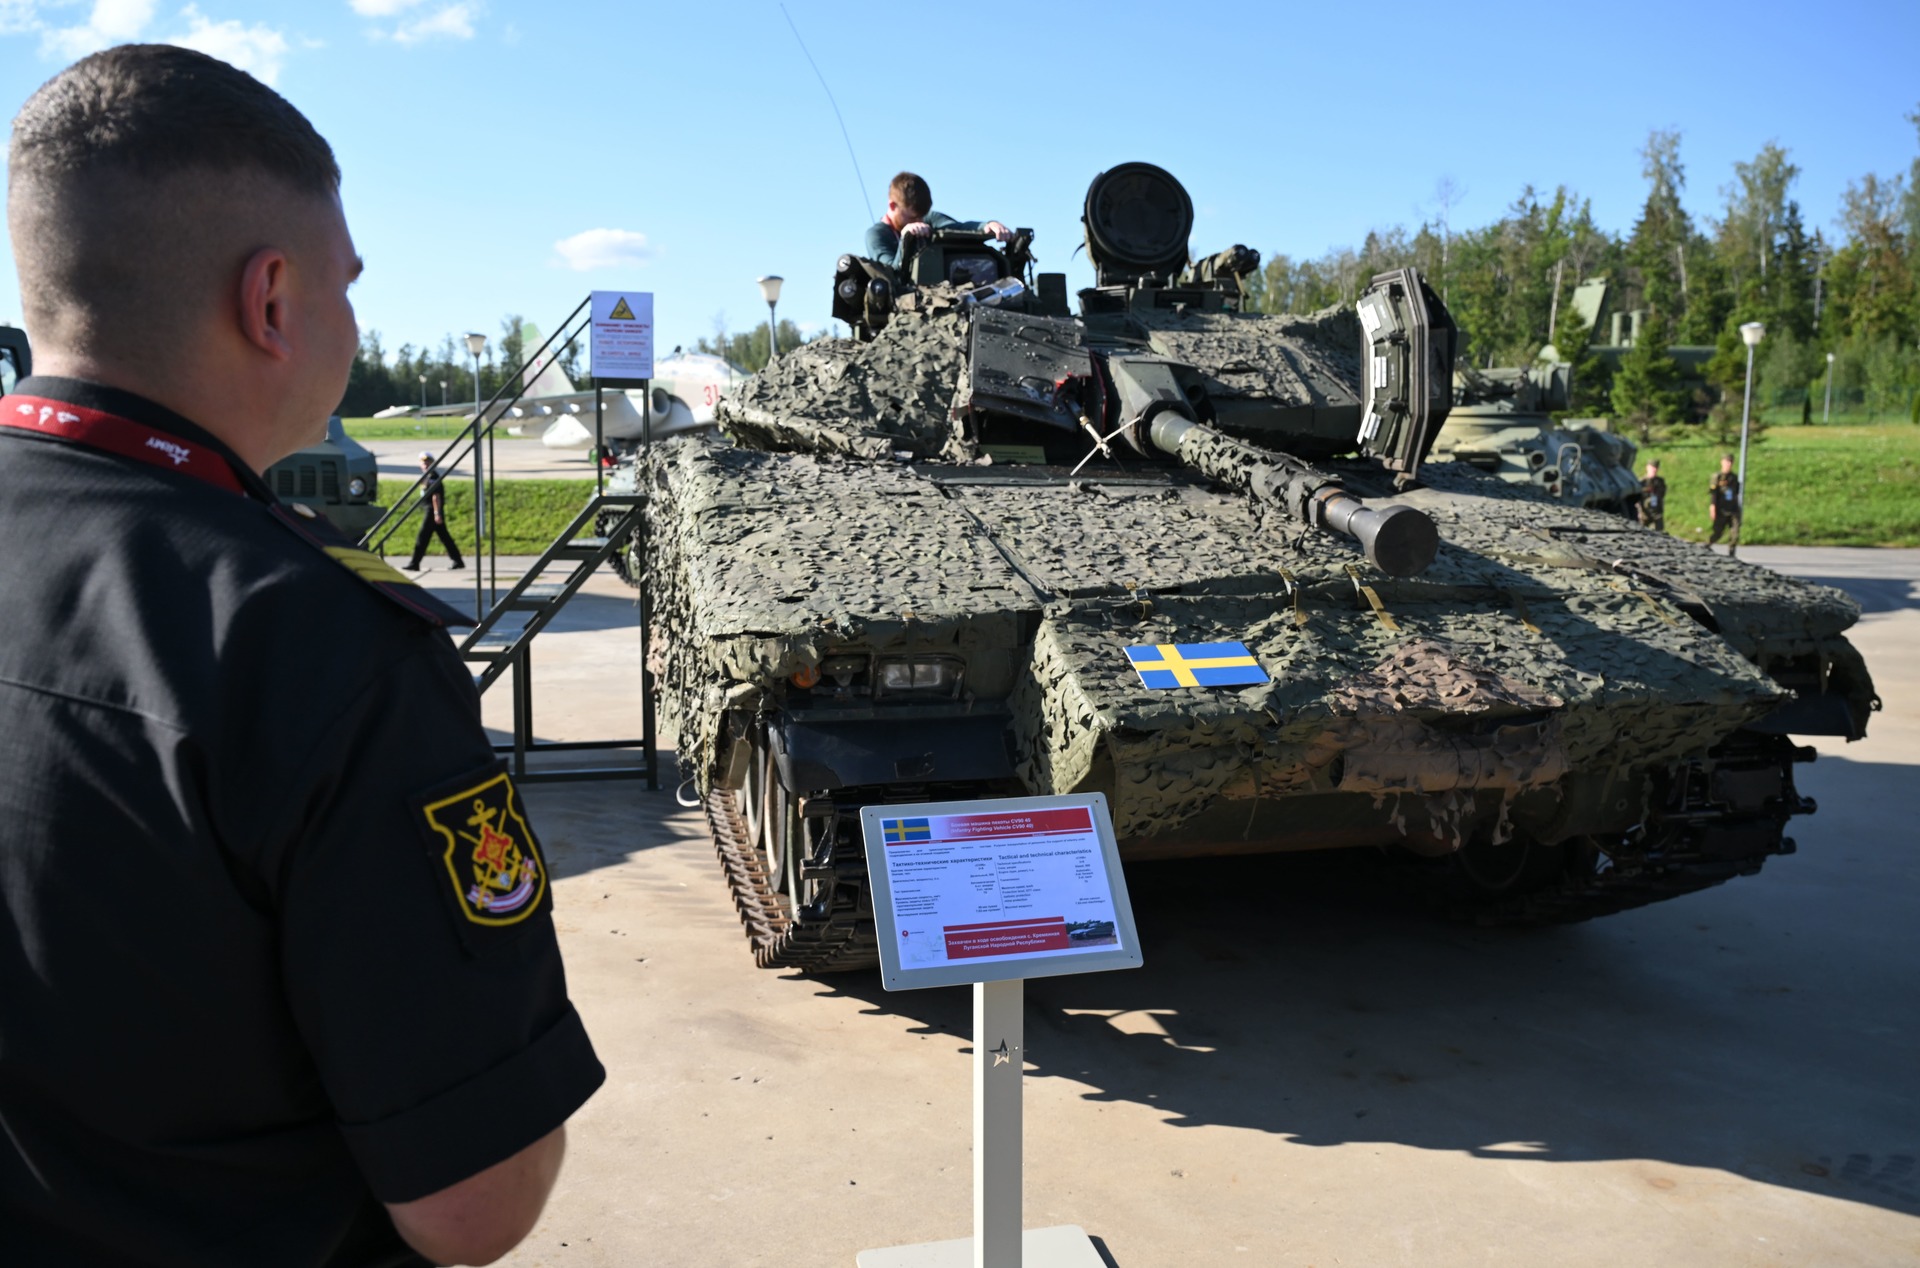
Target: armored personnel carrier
[
  {"x": 1502, "y": 423},
  {"x": 1191, "y": 557}
]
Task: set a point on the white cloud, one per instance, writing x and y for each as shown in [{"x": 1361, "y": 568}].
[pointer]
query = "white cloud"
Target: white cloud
[
  {"x": 259, "y": 49},
  {"x": 111, "y": 22},
  {"x": 17, "y": 16},
  {"x": 604, "y": 249},
  {"x": 380, "y": 8},
  {"x": 450, "y": 22}
]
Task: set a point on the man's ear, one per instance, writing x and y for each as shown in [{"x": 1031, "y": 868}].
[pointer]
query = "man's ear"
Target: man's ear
[{"x": 264, "y": 302}]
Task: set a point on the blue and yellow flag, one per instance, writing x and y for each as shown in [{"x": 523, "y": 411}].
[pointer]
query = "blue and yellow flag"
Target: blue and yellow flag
[
  {"x": 905, "y": 831},
  {"x": 1166, "y": 665}
]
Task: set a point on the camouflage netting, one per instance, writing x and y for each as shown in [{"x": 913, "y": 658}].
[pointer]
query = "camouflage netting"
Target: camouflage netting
[
  {"x": 864, "y": 400},
  {"x": 764, "y": 562},
  {"x": 1283, "y": 359},
  {"x": 1521, "y": 659}
]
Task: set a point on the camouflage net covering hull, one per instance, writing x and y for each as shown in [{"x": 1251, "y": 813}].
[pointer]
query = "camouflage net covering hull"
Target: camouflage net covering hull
[{"x": 1552, "y": 678}]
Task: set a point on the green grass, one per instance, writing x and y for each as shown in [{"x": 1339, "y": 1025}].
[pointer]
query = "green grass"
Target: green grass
[
  {"x": 1833, "y": 485},
  {"x": 404, "y": 428},
  {"x": 527, "y": 516}
]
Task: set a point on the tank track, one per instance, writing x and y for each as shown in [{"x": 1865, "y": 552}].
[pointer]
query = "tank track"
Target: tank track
[
  {"x": 832, "y": 935},
  {"x": 620, "y": 561},
  {"x": 1705, "y": 837}
]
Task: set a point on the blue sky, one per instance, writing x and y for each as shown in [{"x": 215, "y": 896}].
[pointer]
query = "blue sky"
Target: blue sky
[{"x": 686, "y": 150}]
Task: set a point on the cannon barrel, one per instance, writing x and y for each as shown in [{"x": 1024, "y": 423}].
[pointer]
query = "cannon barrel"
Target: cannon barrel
[{"x": 1400, "y": 540}]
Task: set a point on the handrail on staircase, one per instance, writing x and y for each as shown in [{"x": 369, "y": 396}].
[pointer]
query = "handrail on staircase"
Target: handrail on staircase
[{"x": 462, "y": 446}]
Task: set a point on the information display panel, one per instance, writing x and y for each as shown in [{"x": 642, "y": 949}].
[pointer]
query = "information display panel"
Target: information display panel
[{"x": 997, "y": 889}]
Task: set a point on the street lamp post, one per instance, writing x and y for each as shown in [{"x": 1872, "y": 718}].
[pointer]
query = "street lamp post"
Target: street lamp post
[
  {"x": 1826, "y": 411},
  {"x": 1751, "y": 333},
  {"x": 770, "y": 288},
  {"x": 443, "y": 393},
  {"x": 423, "y": 391},
  {"x": 476, "y": 342}
]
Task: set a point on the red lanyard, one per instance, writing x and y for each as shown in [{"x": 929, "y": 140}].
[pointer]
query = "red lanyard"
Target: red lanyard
[{"x": 119, "y": 435}]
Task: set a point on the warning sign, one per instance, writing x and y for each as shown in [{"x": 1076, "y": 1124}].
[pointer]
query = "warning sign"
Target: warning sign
[{"x": 622, "y": 342}]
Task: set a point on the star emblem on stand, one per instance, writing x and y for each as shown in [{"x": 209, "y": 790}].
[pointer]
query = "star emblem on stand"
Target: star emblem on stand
[{"x": 1000, "y": 1055}]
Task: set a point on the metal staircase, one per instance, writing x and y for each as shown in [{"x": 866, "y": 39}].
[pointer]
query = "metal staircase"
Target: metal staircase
[{"x": 502, "y": 639}]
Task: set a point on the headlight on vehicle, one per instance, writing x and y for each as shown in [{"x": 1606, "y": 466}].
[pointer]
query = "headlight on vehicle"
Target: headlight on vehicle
[
  {"x": 929, "y": 676},
  {"x": 357, "y": 487}
]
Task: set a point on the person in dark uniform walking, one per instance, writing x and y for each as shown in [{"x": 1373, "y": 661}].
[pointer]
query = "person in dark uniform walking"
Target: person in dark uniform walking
[
  {"x": 275, "y": 987},
  {"x": 1723, "y": 504},
  {"x": 433, "y": 515},
  {"x": 1653, "y": 499}
]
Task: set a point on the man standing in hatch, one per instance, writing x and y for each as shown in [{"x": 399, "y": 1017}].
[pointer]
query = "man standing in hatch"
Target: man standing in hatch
[{"x": 911, "y": 217}]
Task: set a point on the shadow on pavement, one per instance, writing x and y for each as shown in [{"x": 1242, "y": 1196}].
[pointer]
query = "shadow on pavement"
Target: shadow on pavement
[{"x": 1765, "y": 1028}]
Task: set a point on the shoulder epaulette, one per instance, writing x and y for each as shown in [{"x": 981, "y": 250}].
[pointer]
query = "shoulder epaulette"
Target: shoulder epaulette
[{"x": 314, "y": 529}]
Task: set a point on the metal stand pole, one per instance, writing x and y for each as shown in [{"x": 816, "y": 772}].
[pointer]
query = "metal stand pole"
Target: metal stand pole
[
  {"x": 999, "y": 1052},
  {"x": 999, "y": 1159},
  {"x": 1746, "y": 416}
]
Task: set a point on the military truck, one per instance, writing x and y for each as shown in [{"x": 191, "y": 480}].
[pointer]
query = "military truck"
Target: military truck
[
  {"x": 16, "y": 357},
  {"x": 1193, "y": 558},
  {"x": 338, "y": 477}
]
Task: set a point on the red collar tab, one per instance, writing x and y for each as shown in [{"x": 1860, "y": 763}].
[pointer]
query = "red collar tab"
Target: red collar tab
[{"x": 99, "y": 430}]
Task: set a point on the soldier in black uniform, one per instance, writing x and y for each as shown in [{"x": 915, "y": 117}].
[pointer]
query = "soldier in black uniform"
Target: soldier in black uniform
[
  {"x": 275, "y": 987},
  {"x": 433, "y": 516},
  {"x": 1723, "y": 504}
]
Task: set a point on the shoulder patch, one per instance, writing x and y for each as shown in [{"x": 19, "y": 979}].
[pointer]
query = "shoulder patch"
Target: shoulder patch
[
  {"x": 370, "y": 568},
  {"x": 488, "y": 857}
]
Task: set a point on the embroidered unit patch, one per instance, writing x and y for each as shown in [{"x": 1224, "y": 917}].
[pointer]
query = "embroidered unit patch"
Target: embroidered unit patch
[{"x": 498, "y": 875}]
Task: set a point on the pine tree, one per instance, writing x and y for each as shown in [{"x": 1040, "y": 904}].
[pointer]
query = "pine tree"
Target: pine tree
[{"x": 1646, "y": 388}]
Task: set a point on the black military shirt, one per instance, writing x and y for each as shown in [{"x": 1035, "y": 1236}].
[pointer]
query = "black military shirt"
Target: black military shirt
[{"x": 267, "y": 959}]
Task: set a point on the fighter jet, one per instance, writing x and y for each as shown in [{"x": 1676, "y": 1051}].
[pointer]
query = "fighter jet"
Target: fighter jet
[{"x": 685, "y": 387}]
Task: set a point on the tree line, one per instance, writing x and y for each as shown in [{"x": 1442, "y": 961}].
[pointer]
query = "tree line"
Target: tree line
[
  {"x": 1508, "y": 285},
  {"x": 442, "y": 375}
]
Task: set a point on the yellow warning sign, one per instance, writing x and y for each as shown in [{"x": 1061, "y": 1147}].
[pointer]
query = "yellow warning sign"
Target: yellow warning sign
[{"x": 621, "y": 312}]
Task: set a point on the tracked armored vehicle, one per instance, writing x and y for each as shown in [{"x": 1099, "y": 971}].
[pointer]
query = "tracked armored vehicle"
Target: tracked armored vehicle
[
  {"x": 991, "y": 546},
  {"x": 1502, "y": 423}
]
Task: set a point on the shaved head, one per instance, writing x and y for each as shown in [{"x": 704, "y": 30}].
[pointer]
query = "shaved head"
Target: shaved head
[{"x": 140, "y": 181}]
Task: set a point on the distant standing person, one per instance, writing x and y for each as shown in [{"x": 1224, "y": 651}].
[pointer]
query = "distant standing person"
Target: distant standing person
[
  {"x": 1653, "y": 499},
  {"x": 433, "y": 516},
  {"x": 910, "y": 215},
  {"x": 1723, "y": 504}
]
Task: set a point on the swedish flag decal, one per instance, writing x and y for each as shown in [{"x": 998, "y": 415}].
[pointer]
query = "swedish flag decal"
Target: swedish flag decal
[
  {"x": 905, "y": 831},
  {"x": 1165, "y": 665}
]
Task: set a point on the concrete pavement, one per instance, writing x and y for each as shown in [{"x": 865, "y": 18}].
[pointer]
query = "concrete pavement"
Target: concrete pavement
[{"x": 1300, "y": 1075}]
